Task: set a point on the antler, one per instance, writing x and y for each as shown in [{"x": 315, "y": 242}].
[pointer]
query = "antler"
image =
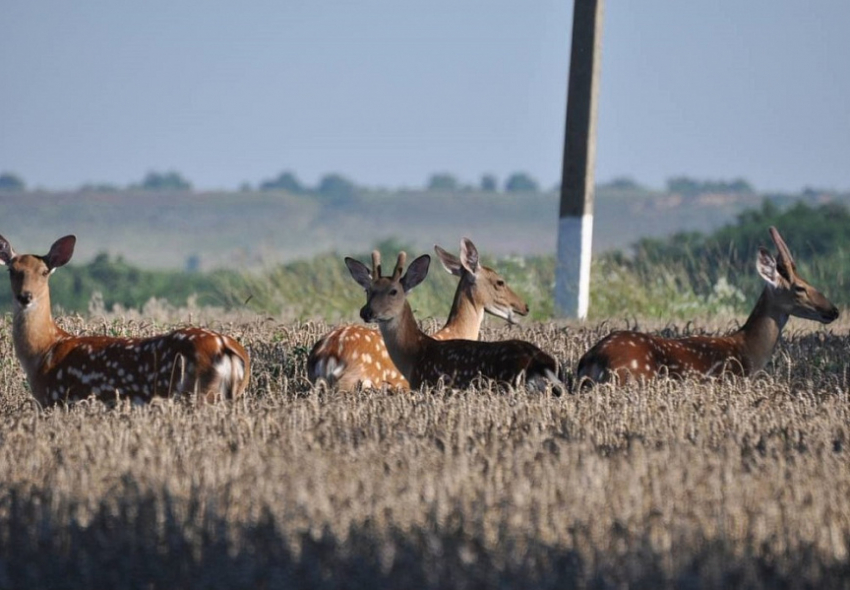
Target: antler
[
  {"x": 376, "y": 265},
  {"x": 399, "y": 266},
  {"x": 784, "y": 252}
]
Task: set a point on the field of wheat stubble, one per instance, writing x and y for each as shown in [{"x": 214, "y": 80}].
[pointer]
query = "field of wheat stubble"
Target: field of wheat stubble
[{"x": 694, "y": 484}]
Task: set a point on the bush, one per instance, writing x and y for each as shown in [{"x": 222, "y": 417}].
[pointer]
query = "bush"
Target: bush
[
  {"x": 442, "y": 182},
  {"x": 286, "y": 181},
  {"x": 11, "y": 182},
  {"x": 488, "y": 184},
  {"x": 72, "y": 287},
  {"x": 521, "y": 182},
  {"x": 337, "y": 188},
  {"x": 165, "y": 181}
]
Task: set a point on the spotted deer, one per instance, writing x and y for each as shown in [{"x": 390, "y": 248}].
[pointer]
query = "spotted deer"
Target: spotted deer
[
  {"x": 425, "y": 360},
  {"x": 633, "y": 355},
  {"x": 61, "y": 367},
  {"x": 352, "y": 355}
]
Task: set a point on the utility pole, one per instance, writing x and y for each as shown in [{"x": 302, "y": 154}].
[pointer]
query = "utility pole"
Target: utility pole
[{"x": 575, "y": 226}]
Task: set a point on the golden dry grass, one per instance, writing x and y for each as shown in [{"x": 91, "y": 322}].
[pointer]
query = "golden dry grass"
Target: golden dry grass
[{"x": 738, "y": 482}]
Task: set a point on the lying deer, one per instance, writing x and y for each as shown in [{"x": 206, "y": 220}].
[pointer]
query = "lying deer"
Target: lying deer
[
  {"x": 624, "y": 355},
  {"x": 424, "y": 360},
  {"x": 352, "y": 355},
  {"x": 63, "y": 367}
]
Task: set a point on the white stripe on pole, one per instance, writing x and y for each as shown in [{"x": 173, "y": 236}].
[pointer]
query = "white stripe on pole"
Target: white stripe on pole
[{"x": 572, "y": 277}]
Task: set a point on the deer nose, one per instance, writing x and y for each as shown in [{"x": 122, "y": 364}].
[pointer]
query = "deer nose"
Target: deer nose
[
  {"x": 366, "y": 313},
  {"x": 25, "y": 298},
  {"x": 833, "y": 314}
]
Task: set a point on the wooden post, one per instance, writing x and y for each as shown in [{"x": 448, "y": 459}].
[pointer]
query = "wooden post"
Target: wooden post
[{"x": 575, "y": 227}]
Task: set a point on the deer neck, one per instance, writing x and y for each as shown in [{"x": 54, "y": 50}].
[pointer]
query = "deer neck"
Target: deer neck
[
  {"x": 403, "y": 339},
  {"x": 761, "y": 332},
  {"x": 34, "y": 333},
  {"x": 465, "y": 317}
]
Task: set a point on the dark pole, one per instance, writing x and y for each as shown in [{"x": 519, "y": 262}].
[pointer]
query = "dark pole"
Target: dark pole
[{"x": 575, "y": 227}]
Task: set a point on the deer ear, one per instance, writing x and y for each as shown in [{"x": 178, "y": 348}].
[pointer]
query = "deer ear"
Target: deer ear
[
  {"x": 450, "y": 262},
  {"x": 60, "y": 252},
  {"x": 416, "y": 272},
  {"x": 359, "y": 272},
  {"x": 6, "y": 252},
  {"x": 766, "y": 266},
  {"x": 469, "y": 256}
]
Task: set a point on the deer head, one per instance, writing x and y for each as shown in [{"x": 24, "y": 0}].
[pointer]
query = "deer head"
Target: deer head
[
  {"x": 484, "y": 285},
  {"x": 789, "y": 293},
  {"x": 29, "y": 273},
  {"x": 386, "y": 296}
]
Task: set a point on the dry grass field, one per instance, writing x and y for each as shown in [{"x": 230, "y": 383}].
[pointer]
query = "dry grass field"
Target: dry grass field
[{"x": 717, "y": 484}]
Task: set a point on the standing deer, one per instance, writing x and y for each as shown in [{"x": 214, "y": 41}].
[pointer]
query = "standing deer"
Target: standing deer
[
  {"x": 349, "y": 355},
  {"x": 625, "y": 355},
  {"x": 422, "y": 359},
  {"x": 63, "y": 367}
]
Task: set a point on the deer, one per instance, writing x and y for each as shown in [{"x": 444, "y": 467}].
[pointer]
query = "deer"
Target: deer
[
  {"x": 423, "y": 360},
  {"x": 626, "y": 355},
  {"x": 354, "y": 355},
  {"x": 61, "y": 367}
]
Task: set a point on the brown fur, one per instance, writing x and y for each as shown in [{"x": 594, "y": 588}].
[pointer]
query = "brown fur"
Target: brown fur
[
  {"x": 349, "y": 356},
  {"x": 64, "y": 367},
  {"x": 632, "y": 355},
  {"x": 424, "y": 360}
]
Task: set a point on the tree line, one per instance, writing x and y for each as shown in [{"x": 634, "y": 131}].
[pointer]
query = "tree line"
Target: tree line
[
  {"x": 340, "y": 187},
  {"x": 331, "y": 184}
]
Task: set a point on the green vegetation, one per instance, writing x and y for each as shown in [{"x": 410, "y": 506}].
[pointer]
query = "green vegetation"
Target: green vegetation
[
  {"x": 11, "y": 182},
  {"x": 686, "y": 275},
  {"x": 701, "y": 264},
  {"x": 442, "y": 181},
  {"x": 165, "y": 181},
  {"x": 488, "y": 183},
  {"x": 286, "y": 181},
  {"x": 322, "y": 287},
  {"x": 690, "y": 188},
  {"x": 118, "y": 283},
  {"x": 520, "y": 182}
]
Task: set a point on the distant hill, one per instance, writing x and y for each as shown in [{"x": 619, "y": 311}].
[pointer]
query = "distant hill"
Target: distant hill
[{"x": 251, "y": 229}]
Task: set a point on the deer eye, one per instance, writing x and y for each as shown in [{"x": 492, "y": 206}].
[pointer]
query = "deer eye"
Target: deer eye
[
  {"x": 45, "y": 273},
  {"x": 393, "y": 292},
  {"x": 799, "y": 288},
  {"x": 500, "y": 283}
]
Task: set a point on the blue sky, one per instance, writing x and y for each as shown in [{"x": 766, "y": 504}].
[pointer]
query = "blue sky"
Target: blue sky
[{"x": 390, "y": 91}]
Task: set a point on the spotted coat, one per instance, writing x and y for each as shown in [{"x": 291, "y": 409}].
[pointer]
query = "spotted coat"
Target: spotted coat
[{"x": 61, "y": 367}]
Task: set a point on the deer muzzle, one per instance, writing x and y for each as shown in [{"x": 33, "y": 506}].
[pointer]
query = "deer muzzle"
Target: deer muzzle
[
  {"x": 832, "y": 314},
  {"x": 366, "y": 314},
  {"x": 25, "y": 298}
]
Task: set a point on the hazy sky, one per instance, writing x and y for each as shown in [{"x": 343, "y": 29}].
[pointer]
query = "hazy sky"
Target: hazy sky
[{"x": 390, "y": 91}]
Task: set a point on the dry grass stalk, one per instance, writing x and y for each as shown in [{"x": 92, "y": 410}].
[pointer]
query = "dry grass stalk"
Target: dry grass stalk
[{"x": 736, "y": 482}]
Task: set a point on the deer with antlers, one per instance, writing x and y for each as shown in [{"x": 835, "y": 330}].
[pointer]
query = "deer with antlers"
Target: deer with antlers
[
  {"x": 61, "y": 367},
  {"x": 633, "y": 355},
  {"x": 352, "y": 355},
  {"x": 424, "y": 360}
]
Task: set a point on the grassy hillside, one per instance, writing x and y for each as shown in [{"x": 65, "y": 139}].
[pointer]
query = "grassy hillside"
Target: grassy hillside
[{"x": 256, "y": 229}]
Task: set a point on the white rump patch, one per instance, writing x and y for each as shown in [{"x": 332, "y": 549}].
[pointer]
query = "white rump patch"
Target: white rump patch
[{"x": 230, "y": 372}]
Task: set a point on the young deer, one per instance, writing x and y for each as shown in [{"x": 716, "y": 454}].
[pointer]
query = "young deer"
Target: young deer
[
  {"x": 349, "y": 355},
  {"x": 624, "y": 355},
  {"x": 63, "y": 367},
  {"x": 422, "y": 359}
]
